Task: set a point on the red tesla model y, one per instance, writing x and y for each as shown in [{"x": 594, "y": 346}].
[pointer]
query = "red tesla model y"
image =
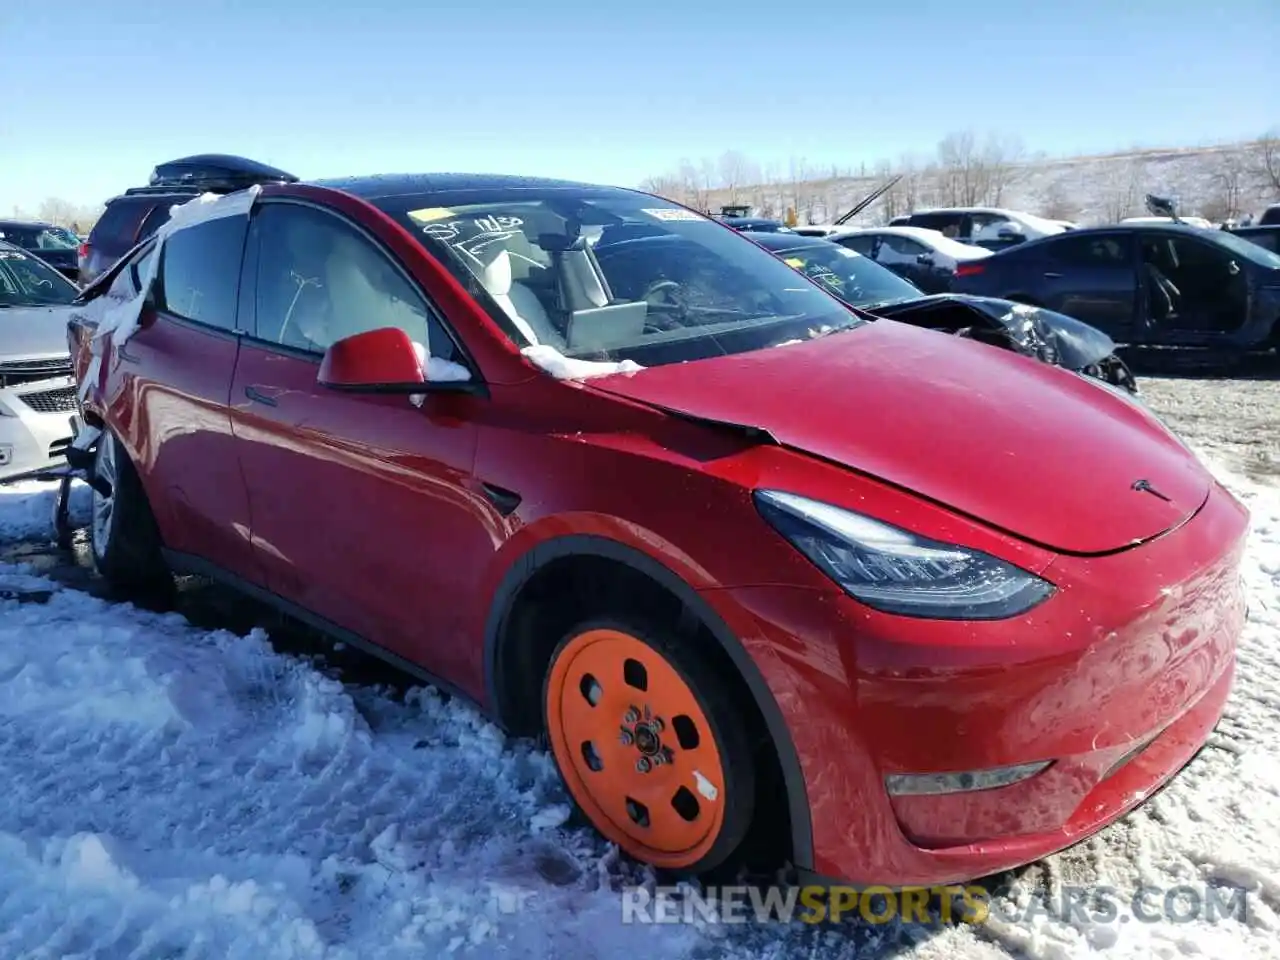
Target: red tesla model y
[{"x": 777, "y": 580}]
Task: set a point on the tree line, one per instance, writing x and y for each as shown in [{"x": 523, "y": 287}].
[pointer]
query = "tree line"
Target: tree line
[{"x": 970, "y": 169}]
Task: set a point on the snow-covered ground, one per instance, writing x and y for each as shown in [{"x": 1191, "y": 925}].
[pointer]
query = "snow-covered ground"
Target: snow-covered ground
[{"x": 168, "y": 791}]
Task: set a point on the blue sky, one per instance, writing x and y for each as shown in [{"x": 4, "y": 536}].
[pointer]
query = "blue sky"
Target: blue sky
[{"x": 95, "y": 94}]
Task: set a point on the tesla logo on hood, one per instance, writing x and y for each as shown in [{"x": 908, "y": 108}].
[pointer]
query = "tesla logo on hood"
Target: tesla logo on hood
[{"x": 1144, "y": 486}]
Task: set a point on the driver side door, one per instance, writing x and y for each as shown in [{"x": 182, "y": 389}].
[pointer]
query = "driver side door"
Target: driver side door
[
  {"x": 363, "y": 511},
  {"x": 1213, "y": 290}
]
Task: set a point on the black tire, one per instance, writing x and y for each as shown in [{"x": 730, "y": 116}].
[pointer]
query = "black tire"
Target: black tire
[
  {"x": 714, "y": 699},
  {"x": 125, "y": 540}
]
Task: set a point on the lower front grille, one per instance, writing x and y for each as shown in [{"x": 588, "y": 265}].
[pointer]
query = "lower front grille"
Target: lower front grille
[{"x": 59, "y": 400}]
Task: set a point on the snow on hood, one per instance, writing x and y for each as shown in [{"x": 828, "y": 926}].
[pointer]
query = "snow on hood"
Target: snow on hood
[
  {"x": 550, "y": 360},
  {"x": 118, "y": 318}
]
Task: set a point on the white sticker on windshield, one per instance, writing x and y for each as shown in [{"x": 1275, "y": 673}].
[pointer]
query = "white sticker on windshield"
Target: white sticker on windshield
[
  {"x": 673, "y": 213},
  {"x": 846, "y": 252}
]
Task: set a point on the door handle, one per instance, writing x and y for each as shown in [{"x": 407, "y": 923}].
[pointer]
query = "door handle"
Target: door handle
[
  {"x": 257, "y": 396},
  {"x": 1053, "y": 276}
]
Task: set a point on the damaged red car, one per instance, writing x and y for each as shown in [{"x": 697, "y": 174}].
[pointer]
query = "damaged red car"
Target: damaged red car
[{"x": 781, "y": 584}]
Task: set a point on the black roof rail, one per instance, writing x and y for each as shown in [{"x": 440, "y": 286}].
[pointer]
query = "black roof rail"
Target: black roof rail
[{"x": 214, "y": 173}]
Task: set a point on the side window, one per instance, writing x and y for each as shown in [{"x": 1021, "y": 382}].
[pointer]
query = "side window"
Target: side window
[
  {"x": 862, "y": 244},
  {"x": 947, "y": 224},
  {"x": 909, "y": 249},
  {"x": 1085, "y": 250},
  {"x": 321, "y": 280},
  {"x": 200, "y": 271},
  {"x": 1194, "y": 255}
]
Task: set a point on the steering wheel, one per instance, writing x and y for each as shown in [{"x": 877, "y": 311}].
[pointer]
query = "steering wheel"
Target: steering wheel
[{"x": 670, "y": 302}]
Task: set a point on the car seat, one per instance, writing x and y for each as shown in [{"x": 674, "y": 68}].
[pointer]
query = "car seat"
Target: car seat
[{"x": 517, "y": 301}]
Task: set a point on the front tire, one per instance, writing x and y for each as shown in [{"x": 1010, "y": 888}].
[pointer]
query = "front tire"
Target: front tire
[
  {"x": 650, "y": 745},
  {"x": 123, "y": 535}
]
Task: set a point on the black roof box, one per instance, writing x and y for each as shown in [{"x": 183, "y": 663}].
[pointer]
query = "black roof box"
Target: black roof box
[{"x": 216, "y": 173}]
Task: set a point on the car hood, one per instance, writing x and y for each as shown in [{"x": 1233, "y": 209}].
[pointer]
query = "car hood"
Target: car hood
[
  {"x": 1028, "y": 448},
  {"x": 30, "y": 333}
]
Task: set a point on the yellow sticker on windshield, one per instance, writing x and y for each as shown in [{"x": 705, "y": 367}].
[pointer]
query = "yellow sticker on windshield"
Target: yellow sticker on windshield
[
  {"x": 429, "y": 214},
  {"x": 795, "y": 262}
]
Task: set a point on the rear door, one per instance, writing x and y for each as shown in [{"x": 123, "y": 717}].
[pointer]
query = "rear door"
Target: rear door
[
  {"x": 363, "y": 509},
  {"x": 1089, "y": 276},
  {"x": 175, "y": 377}
]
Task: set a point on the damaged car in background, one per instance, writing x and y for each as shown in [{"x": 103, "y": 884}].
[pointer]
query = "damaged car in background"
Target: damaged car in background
[{"x": 1031, "y": 331}]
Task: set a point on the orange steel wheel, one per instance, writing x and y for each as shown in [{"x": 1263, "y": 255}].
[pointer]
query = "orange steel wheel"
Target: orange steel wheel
[{"x": 636, "y": 747}]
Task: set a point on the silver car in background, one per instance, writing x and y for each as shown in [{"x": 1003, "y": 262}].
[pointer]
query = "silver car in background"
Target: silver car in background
[{"x": 37, "y": 392}]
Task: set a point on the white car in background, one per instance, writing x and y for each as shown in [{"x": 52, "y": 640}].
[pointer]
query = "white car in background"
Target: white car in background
[
  {"x": 991, "y": 227},
  {"x": 927, "y": 258},
  {"x": 37, "y": 392}
]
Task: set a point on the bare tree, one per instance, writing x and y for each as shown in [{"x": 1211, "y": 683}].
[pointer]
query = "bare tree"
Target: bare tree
[
  {"x": 1268, "y": 163},
  {"x": 735, "y": 172},
  {"x": 1123, "y": 189},
  {"x": 1229, "y": 186},
  {"x": 1057, "y": 205},
  {"x": 1002, "y": 157},
  {"x": 668, "y": 185},
  {"x": 706, "y": 182},
  {"x": 801, "y": 186},
  {"x": 965, "y": 174}
]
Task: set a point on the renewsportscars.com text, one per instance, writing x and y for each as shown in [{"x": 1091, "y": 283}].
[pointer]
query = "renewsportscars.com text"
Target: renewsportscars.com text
[{"x": 932, "y": 906}]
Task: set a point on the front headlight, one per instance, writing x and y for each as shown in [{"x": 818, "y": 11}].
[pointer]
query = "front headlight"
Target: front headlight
[{"x": 896, "y": 571}]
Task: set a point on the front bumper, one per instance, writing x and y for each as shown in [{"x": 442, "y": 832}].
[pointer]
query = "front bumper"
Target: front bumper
[
  {"x": 1117, "y": 679},
  {"x": 35, "y": 425}
]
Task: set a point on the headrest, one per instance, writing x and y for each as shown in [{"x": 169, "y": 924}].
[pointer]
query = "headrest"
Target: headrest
[{"x": 496, "y": 277}]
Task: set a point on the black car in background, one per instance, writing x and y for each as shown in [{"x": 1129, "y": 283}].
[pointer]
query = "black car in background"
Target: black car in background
[
  {"x": 55, "y": 245},
  {"x": 1268, "y": 236},
  {"x": 1167, "y": 285},
  {"x": 1033, "y": 332},
  {"x": 138, "y": 212}
]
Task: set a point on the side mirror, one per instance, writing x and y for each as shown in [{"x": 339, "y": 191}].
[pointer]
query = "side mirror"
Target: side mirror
[{"x": 382, "y": 361}]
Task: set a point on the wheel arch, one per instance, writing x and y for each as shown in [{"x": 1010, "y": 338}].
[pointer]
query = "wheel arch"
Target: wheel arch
[{"x": 498, "y": 687}]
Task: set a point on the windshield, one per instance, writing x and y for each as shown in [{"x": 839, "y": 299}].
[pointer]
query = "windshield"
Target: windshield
[
  {"x": 849, "y": 275},
  {"x": 28, "y": 282},
  {"x": 604, "y": 274},
  {"x": 1247, "y": 249},
  {"x": 39, "y": 238}
]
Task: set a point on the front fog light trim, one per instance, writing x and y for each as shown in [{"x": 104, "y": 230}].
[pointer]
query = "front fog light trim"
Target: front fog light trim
[{"x": 964, "y": 781}]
